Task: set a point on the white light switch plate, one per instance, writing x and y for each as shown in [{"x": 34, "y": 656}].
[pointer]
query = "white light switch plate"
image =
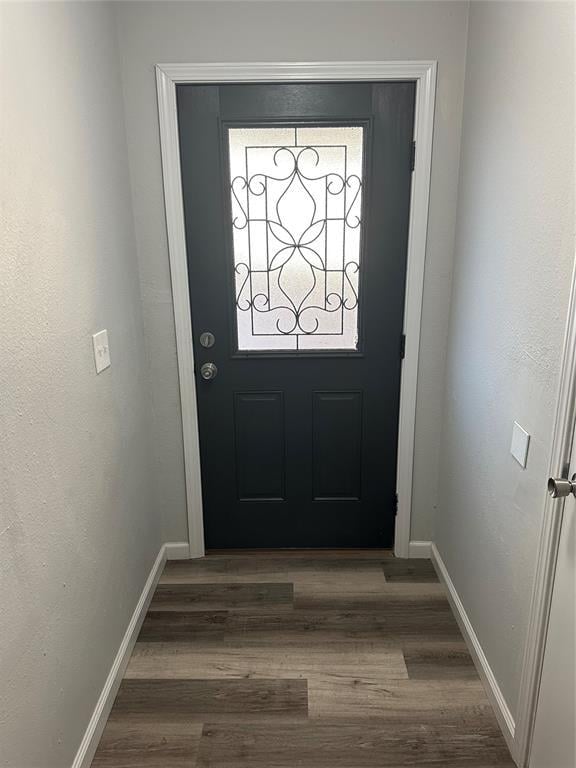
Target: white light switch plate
[
  {"x": 520, "y": 443},
  {"x": 101, "y": 351}
]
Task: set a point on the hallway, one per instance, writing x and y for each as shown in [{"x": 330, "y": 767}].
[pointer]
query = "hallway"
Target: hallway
[{"x": 318, "y": 659}]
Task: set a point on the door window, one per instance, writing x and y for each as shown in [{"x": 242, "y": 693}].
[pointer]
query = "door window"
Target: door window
[{"x": 296, "y": 206}]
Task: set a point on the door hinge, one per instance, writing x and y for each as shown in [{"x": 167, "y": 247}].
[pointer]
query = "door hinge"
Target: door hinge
[
  {"x": 402, "y": 346},
  {"x": 396, "y": 503},
  {"x": 413, "y": 156}
]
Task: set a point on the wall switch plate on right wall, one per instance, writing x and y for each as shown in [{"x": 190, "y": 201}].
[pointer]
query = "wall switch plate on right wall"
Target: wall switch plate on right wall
[
  {"x": 520, "y": 443},
  {"x": 101, "y": 351}
]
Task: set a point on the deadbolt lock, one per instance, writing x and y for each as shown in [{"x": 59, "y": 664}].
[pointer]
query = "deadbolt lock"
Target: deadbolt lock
[{"x": 207, "y": 339}]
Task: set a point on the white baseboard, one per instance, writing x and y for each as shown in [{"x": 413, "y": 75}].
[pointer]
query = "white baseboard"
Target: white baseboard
[
  {"x": 420, "y": 549},
  {"x": 93, "y": 732},
  {"x": 501, "y": 709},
  {"x": 177, "y": 550}
]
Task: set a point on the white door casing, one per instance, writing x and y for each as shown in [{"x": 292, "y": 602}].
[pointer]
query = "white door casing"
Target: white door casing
[
  {"x": 554, "y": 742},
  {"x": 423, "y": 73},
  {"x": 551, "y": 538}
]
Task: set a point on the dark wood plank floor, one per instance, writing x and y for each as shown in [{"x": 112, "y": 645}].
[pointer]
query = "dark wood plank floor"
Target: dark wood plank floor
[{"x": 308, "y": 660}]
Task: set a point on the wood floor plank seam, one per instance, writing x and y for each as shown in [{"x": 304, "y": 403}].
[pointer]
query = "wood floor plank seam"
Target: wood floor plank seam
[{"x": 310, "y": 659}]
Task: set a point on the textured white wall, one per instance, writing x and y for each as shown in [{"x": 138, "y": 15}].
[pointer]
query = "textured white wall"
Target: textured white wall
[
  {"x": 154, "y": 32},
  {"x": 514, "y": 256},
  {"x": 78, "y": 534}
]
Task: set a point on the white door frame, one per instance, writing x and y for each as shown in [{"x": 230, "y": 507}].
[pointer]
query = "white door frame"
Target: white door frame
[
  {"x": 564, "y": 424},
  {"x": 423, "y": 73}
]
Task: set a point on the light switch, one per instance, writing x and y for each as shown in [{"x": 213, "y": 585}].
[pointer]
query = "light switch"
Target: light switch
[
  {"x": 520, "y": 443},
  {"x": 101, "y": 351}
]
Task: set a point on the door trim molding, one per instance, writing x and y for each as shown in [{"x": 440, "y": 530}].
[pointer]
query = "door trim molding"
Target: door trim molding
[
  {"x": 420, "y": 550},
  {"x": 423, "y": 73},
  {"x": 564, "y": 424}
]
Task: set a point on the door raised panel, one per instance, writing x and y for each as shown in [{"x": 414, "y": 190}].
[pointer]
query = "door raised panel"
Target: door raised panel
[
  {"x": 337, "y": 445},
  {"x": 260, "y": 441}
]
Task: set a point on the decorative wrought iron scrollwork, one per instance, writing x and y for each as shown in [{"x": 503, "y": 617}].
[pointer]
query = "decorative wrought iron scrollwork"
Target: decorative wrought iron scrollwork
[{"x": 300, "y": 211}]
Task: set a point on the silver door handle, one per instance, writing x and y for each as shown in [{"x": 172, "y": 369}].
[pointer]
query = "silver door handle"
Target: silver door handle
[
  {"x": 208, "y": 371},
  {"x": 559, "y": 487}
]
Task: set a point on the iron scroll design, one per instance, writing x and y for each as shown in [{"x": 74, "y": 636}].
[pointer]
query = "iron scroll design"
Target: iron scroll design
[{"x": 302, "y": 284}]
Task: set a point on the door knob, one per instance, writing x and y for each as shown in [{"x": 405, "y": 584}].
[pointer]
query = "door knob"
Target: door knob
[
  {"x": 559, "y": 487},
  {"x": 208, "y": 371}
]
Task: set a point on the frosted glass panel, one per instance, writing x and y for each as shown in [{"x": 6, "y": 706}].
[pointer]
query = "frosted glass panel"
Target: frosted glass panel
[{"x": 296, "y": 223}]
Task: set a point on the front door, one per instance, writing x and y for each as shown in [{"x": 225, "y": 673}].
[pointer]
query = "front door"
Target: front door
[{"x": 296, "y": 202}]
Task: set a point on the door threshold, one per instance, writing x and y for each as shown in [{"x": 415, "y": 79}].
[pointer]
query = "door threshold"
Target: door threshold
[{"x": 288, "y": 553}]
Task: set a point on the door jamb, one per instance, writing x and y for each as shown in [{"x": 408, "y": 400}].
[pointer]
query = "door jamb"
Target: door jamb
[
  {"x": 423, "y": 73},
  {"x": 560, "y": 460}
]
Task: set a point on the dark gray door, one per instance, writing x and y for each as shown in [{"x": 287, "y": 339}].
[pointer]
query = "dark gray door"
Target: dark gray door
[{"x": 296, "y": 200}]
